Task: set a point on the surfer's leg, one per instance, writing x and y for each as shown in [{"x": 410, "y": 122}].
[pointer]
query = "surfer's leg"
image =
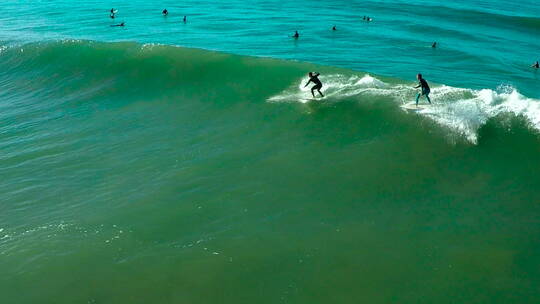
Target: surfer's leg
[
  {"x": 427, "y": 95},
  {"x": 313, "y": 92},
  {"x": 320, "y": 93},
  {"x": 418, "y": 97}
]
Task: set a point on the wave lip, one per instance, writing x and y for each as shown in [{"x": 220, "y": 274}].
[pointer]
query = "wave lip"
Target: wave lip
[{"x": 461, "y": 110}]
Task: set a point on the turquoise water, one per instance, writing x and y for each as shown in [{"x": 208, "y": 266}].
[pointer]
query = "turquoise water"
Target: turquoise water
[{"x": 184, "y": 163}]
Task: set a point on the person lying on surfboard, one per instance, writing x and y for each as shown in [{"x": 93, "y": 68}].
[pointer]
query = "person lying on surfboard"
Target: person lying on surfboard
[
  {"x": 425, "y": 88},
  {"x": 314, "y": 77}
]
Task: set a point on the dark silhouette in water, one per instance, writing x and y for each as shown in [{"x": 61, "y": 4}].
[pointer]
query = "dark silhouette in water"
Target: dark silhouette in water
[
  {"x": 434, "y": 45},
  {"x": 296, "y": 35},
  {"x": 364, "y": 18},
  {"x": 113, "y": 13},
  {"x": 425, "y": 88},
  {"x": 121, "y": 24},
  {"x": 185, "y": 19},
  {"x": 314, "y": 77},
  {"x": 165, "y": 12},
  {"x": 536, "y": 65},
  {"x": 334, "y": 28}
]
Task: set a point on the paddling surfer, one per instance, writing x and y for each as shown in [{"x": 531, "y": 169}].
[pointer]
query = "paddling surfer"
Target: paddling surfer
[
  {"x": 314, "y": 77},
  {"x": 536, "y": 65},
  {"x": 425, "y": 88}
]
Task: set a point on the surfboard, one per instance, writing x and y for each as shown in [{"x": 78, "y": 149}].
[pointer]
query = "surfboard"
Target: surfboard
[{"x": 413, "y": 107}]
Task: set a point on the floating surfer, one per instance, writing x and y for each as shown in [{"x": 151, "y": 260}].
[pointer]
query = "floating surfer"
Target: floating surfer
[
  {"x": 536, "y": 65},
  {"x": 422, "y": 83},
  {"x": 314, "y": 77},
  {"x": 334, "y": 28},
  {"x": 296, "y": 35},
  {"x": 165, "y": 12},
  {"x": 185, "y": 19},
  {"x": 121, "y": 24},
  {"x": 113, "y": 13},
  {"x": 434, "y": 45}
]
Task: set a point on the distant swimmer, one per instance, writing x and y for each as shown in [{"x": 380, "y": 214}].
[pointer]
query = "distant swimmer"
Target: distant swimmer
[
  {"x": 314, "y": 77},
  {"x": 536, "y": 65},
  {"x": 165, "y": 12},
  {"x": 113, "y": 13},
  {"x": 296, "y": 35},
  {"x": 434, "y": 45},
  {"x": 185, "y": 19},
  {"x": 425, "y": 88},
  {"x": 334, "y": 28},
  {"x": 365, "y": 18},
  {"x": 121, "y": 24}
]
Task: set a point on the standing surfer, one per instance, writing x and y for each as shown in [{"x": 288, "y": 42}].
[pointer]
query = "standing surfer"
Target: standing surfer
[
  {"x": 296, "y": 35},
  {"x": 425, "y": 88},
  {"x": 314, "y": 77}
]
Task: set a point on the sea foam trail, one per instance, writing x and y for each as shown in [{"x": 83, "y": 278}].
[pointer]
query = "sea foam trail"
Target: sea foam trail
[{"x": 463, "y": 111}]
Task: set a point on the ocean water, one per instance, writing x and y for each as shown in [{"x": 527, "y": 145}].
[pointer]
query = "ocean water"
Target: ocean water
[{"x": 165, "y": 162}]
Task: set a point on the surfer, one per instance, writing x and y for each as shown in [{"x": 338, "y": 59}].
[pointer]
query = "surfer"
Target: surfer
[
  {"x": 165, "y": 12},
  {"x": 296, "y": 35},
  {"x": 121, "y": 24},
  {"x": 185, "y": 19},
  {"x": 113, "y": 13},
  {"x": 536, "y": 65},
  {"x": 434, "y": 45},
  {"x": 425, "y": 88},
  {"x": 334, "y": 28},
  {"x": 314, "y": 77}
]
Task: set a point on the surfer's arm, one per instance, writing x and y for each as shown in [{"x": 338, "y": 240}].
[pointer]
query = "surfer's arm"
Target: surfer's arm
[
  {"x": 307, "y": 83},
  {"x": 317, "y": 74}
]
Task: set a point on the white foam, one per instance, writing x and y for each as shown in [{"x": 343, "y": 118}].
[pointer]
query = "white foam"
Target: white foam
[
  {"x": 463, "y": 111},
  {"x": 335, "y": 85}
]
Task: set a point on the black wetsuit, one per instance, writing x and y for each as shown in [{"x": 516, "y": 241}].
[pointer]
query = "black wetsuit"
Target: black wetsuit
[
  {"x": 317, "y": 83},
  {"x": 425, "y": 90},
  {"x": 425, "y": 87}
]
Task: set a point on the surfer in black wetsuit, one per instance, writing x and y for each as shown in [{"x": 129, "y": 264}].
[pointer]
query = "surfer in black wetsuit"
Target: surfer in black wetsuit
[
  {"x": 165, "y": 12},
  {"x": 296, "y": 35},
  {"x": 314, "y": 77},
  {"x": 434, "y": 45},
  {"x": 425, "y": 88},
  {"x": 113, "y": 13},
  {"x": 334, "y": 28},
  {"x": 536, "y": 65},
  {"x": 185, "y": 19},
  {"x": 121, "y": 24}
]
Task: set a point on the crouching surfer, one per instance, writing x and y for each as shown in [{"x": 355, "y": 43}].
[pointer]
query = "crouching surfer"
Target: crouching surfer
[{"x": 314, "y": 78}]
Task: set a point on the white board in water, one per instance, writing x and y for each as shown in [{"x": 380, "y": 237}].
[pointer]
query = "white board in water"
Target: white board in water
[{"x": 414, "y": 107}]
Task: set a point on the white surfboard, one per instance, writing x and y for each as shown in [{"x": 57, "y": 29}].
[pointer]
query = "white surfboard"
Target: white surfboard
[{"x": 413, "y": 107}]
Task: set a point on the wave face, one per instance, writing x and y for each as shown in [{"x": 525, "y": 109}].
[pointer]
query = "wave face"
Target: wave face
[{"x": 204, "y": 170}]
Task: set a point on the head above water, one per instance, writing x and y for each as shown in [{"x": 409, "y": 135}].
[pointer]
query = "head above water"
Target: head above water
[
  {"x": 310, "y": 74},
  {"x": 418, "y": 76}
]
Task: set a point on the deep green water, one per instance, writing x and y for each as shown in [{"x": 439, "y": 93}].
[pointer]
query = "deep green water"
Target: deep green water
[{"x": 147, "y": 173}]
